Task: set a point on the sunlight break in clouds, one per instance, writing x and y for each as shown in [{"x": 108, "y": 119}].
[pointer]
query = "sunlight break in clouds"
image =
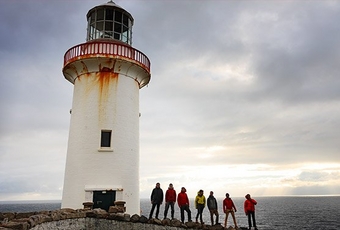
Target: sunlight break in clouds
[{"x": 244, "y": 95}]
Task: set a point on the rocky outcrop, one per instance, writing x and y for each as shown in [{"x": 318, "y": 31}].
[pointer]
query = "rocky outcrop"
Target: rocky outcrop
[{"x": 91, "y": 219}]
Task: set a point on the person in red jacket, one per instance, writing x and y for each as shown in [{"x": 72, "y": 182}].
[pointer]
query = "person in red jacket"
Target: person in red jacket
[
  {"x": 170, "y": 200},
  {"x": 249, "y": 209},
  {"x": 183, "y": 203},
  {"x": 229, "y": 207}
]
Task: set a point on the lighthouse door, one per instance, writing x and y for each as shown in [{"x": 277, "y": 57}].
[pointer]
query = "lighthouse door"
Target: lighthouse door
[{"x": 103, "y": 199}]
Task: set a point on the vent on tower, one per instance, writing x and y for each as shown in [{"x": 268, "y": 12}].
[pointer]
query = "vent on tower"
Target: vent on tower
[{"x": 109, "y": 21}]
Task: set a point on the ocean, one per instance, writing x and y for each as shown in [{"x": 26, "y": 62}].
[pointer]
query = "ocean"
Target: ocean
[
  {"x": 272, "y": 213},
  {"x": 276, "y": 213}
]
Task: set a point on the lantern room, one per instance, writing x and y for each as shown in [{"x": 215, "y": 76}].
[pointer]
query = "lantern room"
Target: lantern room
[{"x": 109, "y": 21}]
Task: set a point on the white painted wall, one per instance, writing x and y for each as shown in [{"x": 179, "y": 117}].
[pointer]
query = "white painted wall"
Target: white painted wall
[{"x": 110, "y": 101}]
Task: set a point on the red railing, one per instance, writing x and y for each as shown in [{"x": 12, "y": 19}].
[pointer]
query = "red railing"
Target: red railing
[{"x": 106, "y": 49}]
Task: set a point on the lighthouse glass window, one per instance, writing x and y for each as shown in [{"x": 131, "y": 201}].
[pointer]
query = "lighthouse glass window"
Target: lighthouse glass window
[
  {"x": 105, "y": 139},
  {"x": 109, "y": 23}
]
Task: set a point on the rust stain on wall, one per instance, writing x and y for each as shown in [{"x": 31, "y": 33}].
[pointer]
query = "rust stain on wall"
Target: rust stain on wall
[
  {"x": 85, "y": 70},
  {"x": 71, "y": 68},
  {"x": 97, "y": 85},
  {"x": 107, "y": 82},
  {"x": 89, "y": 82}
]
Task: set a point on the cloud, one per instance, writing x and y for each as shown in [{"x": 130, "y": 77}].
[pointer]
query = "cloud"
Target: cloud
[{"x": 242, "y": 95}]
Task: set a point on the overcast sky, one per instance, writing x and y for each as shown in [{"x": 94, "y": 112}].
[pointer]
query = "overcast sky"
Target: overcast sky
[{"x": 244, "y": 96}]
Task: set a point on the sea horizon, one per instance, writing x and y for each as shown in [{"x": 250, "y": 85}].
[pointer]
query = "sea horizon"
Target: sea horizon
[
  {"x": 272, "y": 212},
  {"x": 144, "y": 198}
]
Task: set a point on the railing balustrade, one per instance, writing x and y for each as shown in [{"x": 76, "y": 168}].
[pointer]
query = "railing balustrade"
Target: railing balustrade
[{"x": 106, "y": 48}]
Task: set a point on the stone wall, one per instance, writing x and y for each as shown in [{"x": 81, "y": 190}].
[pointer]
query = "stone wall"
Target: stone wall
[
  {"x": 102, "y": 224},
  {"x": 88, "y": 219}
]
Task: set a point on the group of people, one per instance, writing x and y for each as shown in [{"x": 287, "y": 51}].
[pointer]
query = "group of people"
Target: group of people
[{"x": 182, "y": 199}]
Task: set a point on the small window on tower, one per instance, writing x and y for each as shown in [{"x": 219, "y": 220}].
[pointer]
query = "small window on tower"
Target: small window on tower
[{"x": 106, "y": 138}]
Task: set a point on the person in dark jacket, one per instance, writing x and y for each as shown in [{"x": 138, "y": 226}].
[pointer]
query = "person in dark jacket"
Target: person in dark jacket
[
  {"x": 156, "y": 199},
  {"x": 212, "y": 206},
  {"x": 170, "y": 200}
]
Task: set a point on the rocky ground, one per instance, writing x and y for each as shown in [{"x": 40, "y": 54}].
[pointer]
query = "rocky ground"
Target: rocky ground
[{"x": 25, "y": 221}]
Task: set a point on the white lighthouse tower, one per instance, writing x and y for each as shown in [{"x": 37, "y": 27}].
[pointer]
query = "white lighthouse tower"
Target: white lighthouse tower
[{"x": 102, "y": 164}]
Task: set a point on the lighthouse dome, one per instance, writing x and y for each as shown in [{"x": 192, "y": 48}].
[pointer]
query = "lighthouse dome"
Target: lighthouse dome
[{"x": 109, "y": 21}]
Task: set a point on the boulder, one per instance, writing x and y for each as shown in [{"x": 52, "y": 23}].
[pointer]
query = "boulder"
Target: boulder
[
  {"x": 9, "y": 215},
  {"x": 143, "y": 219},
  {"x": 20, "y": 215},
  {"x": 97, "y": 213},
  {"x": 67, "y": 210},
  {"x": 134, "y": 218},
  {"x": 176, "y": 223},
  {"x": 16, "y": 225},
  {"x": 166, "y": 222},
  {"x": 217, "y": 227},
  {"x": 119, "y": 217},
  {"x": 113, "y": 209},
  {"x": 191, "y": 224},
  {"x": 157, "y": 221}
]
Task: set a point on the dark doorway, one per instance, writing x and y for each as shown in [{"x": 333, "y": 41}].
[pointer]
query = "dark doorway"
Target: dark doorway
[{"x": 104, "y": 199}]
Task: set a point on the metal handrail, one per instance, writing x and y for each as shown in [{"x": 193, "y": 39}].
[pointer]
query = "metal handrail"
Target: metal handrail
[{"x": 106, "y": 48}]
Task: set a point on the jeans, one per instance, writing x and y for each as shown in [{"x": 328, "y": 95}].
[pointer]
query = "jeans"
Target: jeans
[
  {"x": 185, "y": 208},
  {"x": 200, "y": 208},
  {"x": 171, "y": 204},
  {"x": 251, "y": 215},
  {"x": 153, "y": 208}
]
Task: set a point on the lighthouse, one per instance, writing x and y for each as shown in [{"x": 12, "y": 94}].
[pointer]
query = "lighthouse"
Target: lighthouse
[{"x": 102, "y": 163}]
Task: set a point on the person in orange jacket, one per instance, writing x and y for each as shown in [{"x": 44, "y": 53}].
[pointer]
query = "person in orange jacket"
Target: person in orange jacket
[
  {"x": 229, "y": 207},
  {"x": 249, "y": 209}
]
